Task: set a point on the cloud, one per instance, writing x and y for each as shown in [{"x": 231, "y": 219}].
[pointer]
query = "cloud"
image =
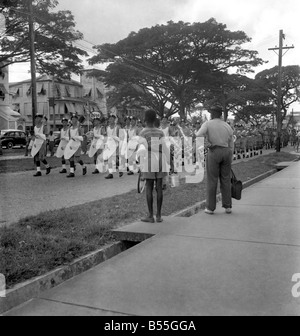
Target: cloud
[{"x": 108, "y": 21}]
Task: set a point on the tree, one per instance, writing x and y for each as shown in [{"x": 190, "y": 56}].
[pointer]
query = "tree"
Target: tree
[
  {"x": 229, "y": 91},
  {"x": 55, "y": 36},
  {"x": 253, "y": 104},
  {"x": 268, "y": 80},
  {"x": 177, "y": 62}
]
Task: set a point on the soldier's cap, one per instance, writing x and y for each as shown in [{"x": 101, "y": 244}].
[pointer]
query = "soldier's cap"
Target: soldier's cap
[
  {"x": 64, "y": 119},
  {"x": 39, "y": 116}
]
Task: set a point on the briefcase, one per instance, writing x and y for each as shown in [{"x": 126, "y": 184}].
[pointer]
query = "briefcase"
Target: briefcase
[{"x": 236, "y": 187}]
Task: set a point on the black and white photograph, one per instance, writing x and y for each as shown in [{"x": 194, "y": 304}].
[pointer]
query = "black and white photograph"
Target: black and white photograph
[{"x": 149, "y": 160}]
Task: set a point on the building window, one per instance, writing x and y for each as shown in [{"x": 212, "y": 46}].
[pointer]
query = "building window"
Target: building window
[
  {"x": 2, "y": 74},
  {"x": 43, "y": 91},
  {"x": 29, "y": 91},
  {"x": 58, "y": 91},
  {"x": 68, "y": 91},
  {"x": 2, "y": 95},
  {"x": 77, "y": 92},
  {"x": 16, "y": 94},
  {"x": 28, "y": 109},
  {"x": 3, "y": 92},
  {"x": 88, "y": 93}
]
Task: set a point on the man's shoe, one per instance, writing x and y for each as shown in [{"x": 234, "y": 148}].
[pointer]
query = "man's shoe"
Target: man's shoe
[
  {"x": 38, "y": 174},
  {"x": 121, "y": 174},
  {"x": 48, "y": 171},
  {"x": 228, "y": 211},
  {"x": 84, "y": 172},
  {"x": 130, "y": 173},
  {"x": 209, "y": 212},
  {"x": 64, "y": 171},
  {"x": 96, "y": 172},
  {"x": 71, "y": 175},
  {"x": 148, "y": 220},
  {"x": 159, "y": 219},
  {"x": 109, "y": 177}
]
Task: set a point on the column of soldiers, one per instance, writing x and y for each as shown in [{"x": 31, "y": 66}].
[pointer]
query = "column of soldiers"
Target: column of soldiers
[{"x": 112, "y": 133}]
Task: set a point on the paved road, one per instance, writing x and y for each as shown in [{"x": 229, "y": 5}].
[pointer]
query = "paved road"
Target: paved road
[{"x": 22, "y": 195}]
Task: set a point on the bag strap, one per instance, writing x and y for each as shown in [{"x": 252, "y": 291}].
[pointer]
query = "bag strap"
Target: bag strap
[{"x": 233, "y": 174}]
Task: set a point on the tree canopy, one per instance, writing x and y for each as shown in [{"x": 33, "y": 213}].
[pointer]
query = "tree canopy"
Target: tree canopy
[
  {"x": 268, "y": 80},
  {"x": 260, "y": 97},
  {"x": 55, "y": 35},
  {"x": 177, "y": 63}
]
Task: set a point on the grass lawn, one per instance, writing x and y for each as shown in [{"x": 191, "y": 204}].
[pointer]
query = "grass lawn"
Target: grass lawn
[{"x": 36, "y": 245}]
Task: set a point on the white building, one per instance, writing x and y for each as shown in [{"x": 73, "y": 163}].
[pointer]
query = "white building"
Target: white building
[
  {"x": 9, "y": 119},
  {"x": 56, "y": 99},
  {"x": 95, "y": 91}
]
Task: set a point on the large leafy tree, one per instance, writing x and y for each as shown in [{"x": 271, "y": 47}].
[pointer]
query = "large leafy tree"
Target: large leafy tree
[
  {"x": 178, "y": 62},
  {"x": 55, "y": 37},
  {"x": 253, "y": 103},
  {"x": 231, "y": 91},
  {"x": 268, "y": 81}
]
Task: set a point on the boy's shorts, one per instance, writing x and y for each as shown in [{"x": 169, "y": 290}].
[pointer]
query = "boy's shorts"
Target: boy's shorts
[{"x": 154, "y": 176}]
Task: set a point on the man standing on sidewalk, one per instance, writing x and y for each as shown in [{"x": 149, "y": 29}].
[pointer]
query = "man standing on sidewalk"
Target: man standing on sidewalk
[{"x": 219, "y": 159}]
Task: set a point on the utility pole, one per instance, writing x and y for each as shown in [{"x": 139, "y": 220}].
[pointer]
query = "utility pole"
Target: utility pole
[
  {"x": 279, "y": 91},
  {"x": 32, "y": 61},
  {"x": 53, "y": 94}
]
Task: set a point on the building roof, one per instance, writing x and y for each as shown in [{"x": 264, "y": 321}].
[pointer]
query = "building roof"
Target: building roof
[
  {"x": 46, "y": 78},
  {"x": 8, "y": 114}
]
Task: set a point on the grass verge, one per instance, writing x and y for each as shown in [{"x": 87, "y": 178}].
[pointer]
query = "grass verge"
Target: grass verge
[{"x": 39, "y": 244}]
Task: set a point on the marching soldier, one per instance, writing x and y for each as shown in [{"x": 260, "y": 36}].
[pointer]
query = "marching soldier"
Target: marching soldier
[
  {"x": 96, "y": 148},
  {"x": 131, "y": 133},
  {"x": 74, "y": 147},
  {"x": 40, "y": 145},
  {"x": 111, "y": 153},
  {"x": 64, "y": 139}
]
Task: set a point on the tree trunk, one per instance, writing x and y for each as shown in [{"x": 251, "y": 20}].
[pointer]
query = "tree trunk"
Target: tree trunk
[{"x": 182, "y": 111}]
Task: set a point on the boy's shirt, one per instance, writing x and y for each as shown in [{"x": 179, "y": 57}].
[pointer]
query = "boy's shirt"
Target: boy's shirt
[
  {"x": 151, "y": 135},
  {"x": 154, "y": 140}
]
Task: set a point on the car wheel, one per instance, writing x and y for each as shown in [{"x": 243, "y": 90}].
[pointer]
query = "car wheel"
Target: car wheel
[{"x": 10, "y": 145}]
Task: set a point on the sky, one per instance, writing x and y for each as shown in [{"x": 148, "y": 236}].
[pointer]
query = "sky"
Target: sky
[{"x": 108, "y": 21}]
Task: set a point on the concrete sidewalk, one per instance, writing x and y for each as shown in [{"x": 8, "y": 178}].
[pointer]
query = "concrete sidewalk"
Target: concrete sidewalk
[{"x": 239, "y": 264}]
